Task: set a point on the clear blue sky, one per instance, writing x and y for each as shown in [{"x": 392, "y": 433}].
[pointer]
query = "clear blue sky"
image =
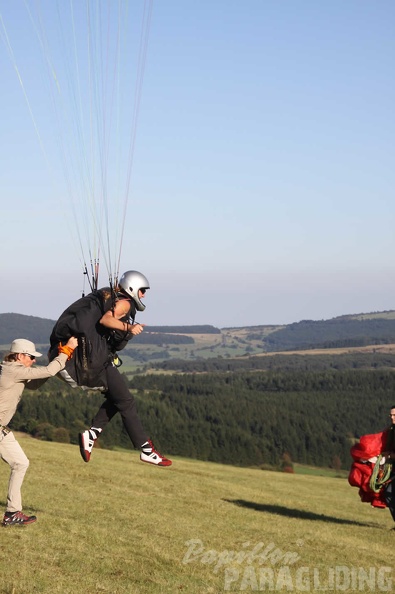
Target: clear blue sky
[{"x": 262, "y": 186}]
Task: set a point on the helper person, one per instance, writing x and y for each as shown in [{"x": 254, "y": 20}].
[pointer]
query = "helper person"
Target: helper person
[{"x": 16, "y": 374}]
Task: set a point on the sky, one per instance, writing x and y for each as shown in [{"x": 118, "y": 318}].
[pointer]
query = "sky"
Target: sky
[{"x": 258, "y": 166}]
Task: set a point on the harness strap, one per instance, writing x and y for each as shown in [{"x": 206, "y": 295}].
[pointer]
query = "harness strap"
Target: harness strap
[{"x": 381, "y": 475}]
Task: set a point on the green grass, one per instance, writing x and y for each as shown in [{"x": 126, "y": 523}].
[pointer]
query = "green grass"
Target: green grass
[
  {"x": 117, "y": 525},
  {"x": 315, "y": 471}
]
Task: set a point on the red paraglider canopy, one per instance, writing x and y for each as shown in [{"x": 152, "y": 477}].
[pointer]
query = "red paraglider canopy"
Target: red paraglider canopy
[{"x": 369, "y": 446}]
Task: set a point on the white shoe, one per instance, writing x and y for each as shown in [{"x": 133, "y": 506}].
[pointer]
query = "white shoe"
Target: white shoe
[
  {"x": 86, "y": 445},
  {"x": 152, "y": 456}
]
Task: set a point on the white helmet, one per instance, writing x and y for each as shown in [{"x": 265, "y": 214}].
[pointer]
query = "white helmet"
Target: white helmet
[{"x": 132, "y": 282}]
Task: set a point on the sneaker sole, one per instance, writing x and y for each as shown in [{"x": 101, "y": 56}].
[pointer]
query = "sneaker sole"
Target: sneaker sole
[
  {"x": 155, "y": 464},
  {"x": 18, "y": 524},
  {"x": 84, "y": 454}
]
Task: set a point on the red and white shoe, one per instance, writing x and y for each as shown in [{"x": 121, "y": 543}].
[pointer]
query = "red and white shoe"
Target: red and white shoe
[
  {"x": 17, "y": 519},
  {"x": 86, "y": 445},
  {"x": 152, "y": 456}
]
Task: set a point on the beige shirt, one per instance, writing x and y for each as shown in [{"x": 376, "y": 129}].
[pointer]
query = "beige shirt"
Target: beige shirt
[{"x": 15, "y": 377}]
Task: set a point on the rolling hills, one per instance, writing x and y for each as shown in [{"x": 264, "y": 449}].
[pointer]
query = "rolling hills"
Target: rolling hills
[{"x": 194, "y": 343}]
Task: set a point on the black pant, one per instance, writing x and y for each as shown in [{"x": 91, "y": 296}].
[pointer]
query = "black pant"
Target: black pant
[
  {"x": 390, "y": 496},
  {"x": 119, "y": 399}
]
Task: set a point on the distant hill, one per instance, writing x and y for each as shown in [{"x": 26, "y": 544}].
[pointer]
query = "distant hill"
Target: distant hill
[
  {"x": 204, "y": 329},
  {"x": 207, "y": 341},
  {"x": 338, "y": 332},
  {"x": 38, "y": 330},
  {"x": 14, "y": 325}
]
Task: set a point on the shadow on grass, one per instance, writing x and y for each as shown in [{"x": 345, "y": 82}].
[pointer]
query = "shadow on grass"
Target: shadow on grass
[{"x": 296, "y": 513}]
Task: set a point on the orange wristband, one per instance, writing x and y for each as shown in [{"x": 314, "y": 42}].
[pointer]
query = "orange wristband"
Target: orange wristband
[{"x": 66, "y": 350}]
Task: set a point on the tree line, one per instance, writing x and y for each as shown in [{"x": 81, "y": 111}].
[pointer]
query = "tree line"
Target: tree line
[
  {"x": 368, "y": 360},
  {"x": 242, "y": 418}
]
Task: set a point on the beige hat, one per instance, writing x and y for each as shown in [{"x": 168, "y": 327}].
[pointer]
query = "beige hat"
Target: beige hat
[{"x": 21, "y": 345}]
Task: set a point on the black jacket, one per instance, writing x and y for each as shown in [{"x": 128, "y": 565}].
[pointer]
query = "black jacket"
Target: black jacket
[{"x": 96, "y": 344}]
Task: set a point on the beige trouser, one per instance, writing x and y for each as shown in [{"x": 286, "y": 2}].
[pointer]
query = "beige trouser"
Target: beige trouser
[{"x": 12, "y": 453}]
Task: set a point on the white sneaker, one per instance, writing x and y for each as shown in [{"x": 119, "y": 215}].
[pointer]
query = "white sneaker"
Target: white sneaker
[
  {"x": 86, "y": 445},
  {"x": 152, "y": 456}
]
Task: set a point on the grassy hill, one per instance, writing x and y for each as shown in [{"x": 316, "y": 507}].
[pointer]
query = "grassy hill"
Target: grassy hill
[{"x": 118, "y": 526}]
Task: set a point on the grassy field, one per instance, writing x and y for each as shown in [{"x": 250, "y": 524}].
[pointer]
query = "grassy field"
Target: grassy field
[{"x": 117, "y": 525}]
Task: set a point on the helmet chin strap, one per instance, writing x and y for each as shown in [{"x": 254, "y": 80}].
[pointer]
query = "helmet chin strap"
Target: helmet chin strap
[{"x": 132, "y": 314}]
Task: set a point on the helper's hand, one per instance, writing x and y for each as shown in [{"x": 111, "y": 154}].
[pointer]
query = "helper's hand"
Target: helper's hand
[
  {"x": 72, "y": 342},
  {"x": 68, "y": 348}
]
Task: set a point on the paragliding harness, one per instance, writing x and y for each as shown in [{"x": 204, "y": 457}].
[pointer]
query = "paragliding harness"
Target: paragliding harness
[
  {"x": 97, "y": 346},
  {"x": 369, "y": 471},
  {"x": 118, "y": 339},
  {"x": 381, "y": 474}
]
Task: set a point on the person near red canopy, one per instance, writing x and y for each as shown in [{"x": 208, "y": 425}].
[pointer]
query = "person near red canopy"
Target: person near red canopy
[{"x": 373, "y": 470}]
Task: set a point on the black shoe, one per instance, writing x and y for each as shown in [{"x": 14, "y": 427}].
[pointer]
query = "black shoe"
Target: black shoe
[{"x": 17, "y": 519}]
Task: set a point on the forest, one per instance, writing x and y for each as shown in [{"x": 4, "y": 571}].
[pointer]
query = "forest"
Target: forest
[
  {"x": 248, "y": 409},
  {"x": 244, "y": 418}
]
